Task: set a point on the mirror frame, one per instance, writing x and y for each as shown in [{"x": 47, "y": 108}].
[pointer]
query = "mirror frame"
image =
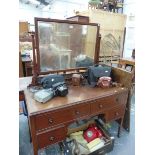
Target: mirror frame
[
  {"x": 36, "y": 54},
  {"x": 68, "y": 22}
]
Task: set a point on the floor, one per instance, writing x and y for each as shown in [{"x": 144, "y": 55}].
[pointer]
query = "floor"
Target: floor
[{"x": 125, "y": 145}]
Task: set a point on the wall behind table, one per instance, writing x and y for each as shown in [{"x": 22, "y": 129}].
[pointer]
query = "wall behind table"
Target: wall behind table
[
  {"x": 58, "y": 10},
  {"x": 111, "y": 29},
  {"x": 129, "y": 9},
  {"x": 27, "y": 13}
]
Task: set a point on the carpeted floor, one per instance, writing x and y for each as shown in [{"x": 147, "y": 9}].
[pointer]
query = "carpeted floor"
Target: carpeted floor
[{"x": 125, "y": 145}]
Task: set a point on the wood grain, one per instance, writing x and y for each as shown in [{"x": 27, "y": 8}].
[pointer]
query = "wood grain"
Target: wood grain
[{"x": 76, "y": 95}]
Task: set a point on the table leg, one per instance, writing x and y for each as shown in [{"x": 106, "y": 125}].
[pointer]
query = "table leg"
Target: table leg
[
  {"x": 33, "y": 135},
  {"x": 29, "y": 131},
  {"x": 120, "y": 127},
  {"x": 35, "y": 150}
]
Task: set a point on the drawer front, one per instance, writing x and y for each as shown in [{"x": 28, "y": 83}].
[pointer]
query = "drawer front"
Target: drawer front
[
  {"x": 108, "y": 102},
  {"x": 47, "y": 120},
  {"x": 51, "y": 137},
  {"x": 80, "y": 110},
  {"x": 102, "y": 104},
  {"x": 115, "y": 113}
]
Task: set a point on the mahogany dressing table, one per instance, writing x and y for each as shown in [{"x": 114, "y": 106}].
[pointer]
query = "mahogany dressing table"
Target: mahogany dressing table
[{"x": 48, "y": 122}]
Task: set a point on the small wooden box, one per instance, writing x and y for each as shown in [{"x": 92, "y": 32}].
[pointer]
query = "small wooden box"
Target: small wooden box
[{"x": 76, "y": 79}]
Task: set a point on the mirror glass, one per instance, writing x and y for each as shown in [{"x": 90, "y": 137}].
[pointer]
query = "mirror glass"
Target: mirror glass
[{"x": 65, "y": 46}]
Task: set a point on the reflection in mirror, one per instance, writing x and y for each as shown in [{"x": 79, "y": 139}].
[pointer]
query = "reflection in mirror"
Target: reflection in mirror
[{"x": 65, "y": 46}]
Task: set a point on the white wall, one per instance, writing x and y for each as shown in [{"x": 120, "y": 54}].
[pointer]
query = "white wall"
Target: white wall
[
  {"x": 65, "y": 8},
  {"x": 59, "y": 10},
  {"x": 27, "y": 13},
  {"x": 129, "y": 10}
]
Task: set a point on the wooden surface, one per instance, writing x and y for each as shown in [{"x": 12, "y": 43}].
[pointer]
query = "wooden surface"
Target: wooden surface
[
  {"x": 106, "y": 19},
  {"x": 110, "y": 24},
  {"x": 124, "y": 77},
  {"x": 27, "y": 66},
  {"x": 79, "y": 18},
  {"x": 21, "y": 74},
  {"x": 46, "y": 120},
  {"x": 23, "y": 27},
  {"x": 127, "y": 61},
  {"x": 120, "y": 75},
  {"x": 76, "y": 95}
]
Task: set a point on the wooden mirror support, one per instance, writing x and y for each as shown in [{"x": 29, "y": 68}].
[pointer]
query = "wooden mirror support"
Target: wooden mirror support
[
  {"x": 59, "y": 44},
  {"x": 35, "y": 73}
]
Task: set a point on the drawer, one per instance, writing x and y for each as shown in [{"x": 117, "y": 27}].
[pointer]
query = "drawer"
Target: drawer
[
  {"x": 115, "y": 113},
  {"x": 102, "y": 104},
  {"x": 109, "y": 142},
  {"x": 108, "y": 102},
  {"x": 82, "y": 110},
  {"x": 51, "y": 137},
  {"x": 57, "y": 117}
]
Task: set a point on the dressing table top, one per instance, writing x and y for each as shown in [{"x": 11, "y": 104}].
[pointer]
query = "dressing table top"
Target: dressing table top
[{"x": 76, "y": 95}]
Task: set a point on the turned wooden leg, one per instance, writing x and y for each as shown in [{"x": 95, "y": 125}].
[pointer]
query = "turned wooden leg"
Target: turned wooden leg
[
  {"x": 35, "y": 150},
  {"x": 33, "y": 135},
  {"x": 29, "y": 130}
]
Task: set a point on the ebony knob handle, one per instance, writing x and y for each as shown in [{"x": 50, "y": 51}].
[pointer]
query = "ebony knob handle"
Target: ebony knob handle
[
  {"x": 77, "y": 112},
  {"x": 50, "y": 120},
  {"x": 117, "y": 100},
  {"x": 116, "y": 113},
  {"x": 100, "y": 106},
  {"x": 51, "y": 138}
]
